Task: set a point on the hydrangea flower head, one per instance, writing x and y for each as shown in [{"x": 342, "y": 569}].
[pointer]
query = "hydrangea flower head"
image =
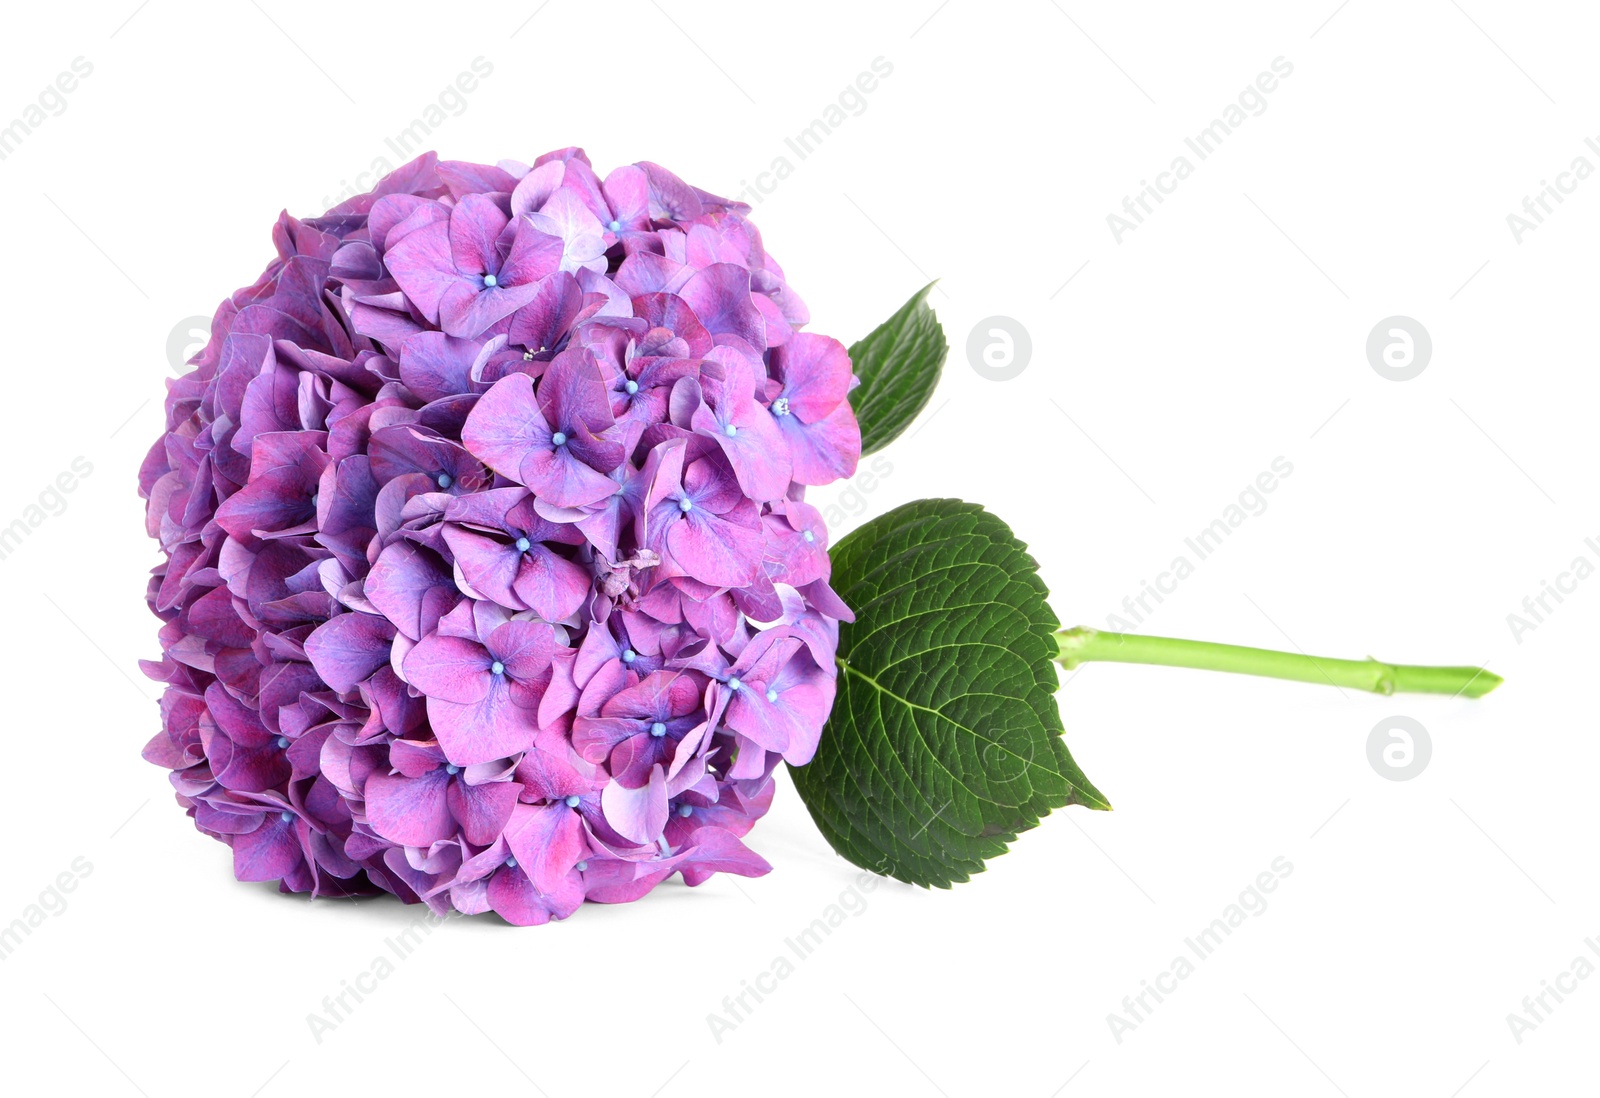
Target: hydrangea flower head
[{"x": 488, "y": 577}]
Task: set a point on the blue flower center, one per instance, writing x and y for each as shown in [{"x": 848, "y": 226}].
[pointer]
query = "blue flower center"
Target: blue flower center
[
  {"x": 809, "y": 536},
  {"x": 581, "y": 866},
  {"x": 629, "y": 655},
  {"x": 658, "y": 730},
  {"x": 780, "y": 407},
  {"x": 686, "y": 810},
  {"x": 559, "y": 438},
  {"x": 615, "y": 226},
  {"x": 444, "y": 480},
  {"x": 573, "y": 801},
  {"x": 497, "y": 668},
  {"x": 452, "y": 768},
  {"x": 523, "y": 545},
  {"x": 734, "y": 684},
  {"x": 685, "y": 504},
  {"x": 283, "y": 741},
  {"x": 632, "y": 387},
  {"x": 286, "y": 816},
  {"x": 772, "y": 695},
  {"x": 511, "y": 863},
  {"x": 730, "y": 430},
  {"x": 490, "y": 281}
]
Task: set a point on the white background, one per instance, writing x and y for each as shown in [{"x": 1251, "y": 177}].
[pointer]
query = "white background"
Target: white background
[{"x": 1227, "y": 330}]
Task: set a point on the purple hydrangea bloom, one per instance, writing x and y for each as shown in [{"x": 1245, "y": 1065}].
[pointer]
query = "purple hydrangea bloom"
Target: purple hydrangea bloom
[{"x": 489, "y": 579}]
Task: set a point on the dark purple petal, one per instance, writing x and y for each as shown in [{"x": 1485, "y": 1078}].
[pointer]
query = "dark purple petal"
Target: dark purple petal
[
  {"x": 269, "y": 852},
  {"x": 348, "y": 648}
]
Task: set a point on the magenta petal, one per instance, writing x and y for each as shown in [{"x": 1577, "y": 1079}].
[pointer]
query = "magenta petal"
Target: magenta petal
[
  {"x": 505, "y": 425},
  {"x": 414, "y": 759},
  {"x": 421, "y": 264},
  {"x": 720, "y": 297},
  {"x": 534, "y": 256},
  {"x": 825, "y": 451},
  {"x": 269, "y": 852},
  {"x": 715, "y": 850},
  {"x": 410, "y": 811},
  {"x": 475, "y": 224},
  {"x": 513, "y": 897},
  {"x": 595, "y": 738},
  {"x": 555, "y": 474},
  {"x": 548, "y": 315},
  {"x": 464, "y": 178},
  {"x": 648, "y": 273},
  {"x": 551, "y": 585},
  {"x": 808, "y": 705},
  {"x": 547, "y": 841},
  {"x": 468, "y": 311},
  {"x": 617, "y": 881},
  {"x": 488, "y": 564},
  {"x": 816, "y": 374},
  {"x": 627, "y": 191},
  {"x": 637, "y": 814},
  {"x": 348, "y": 648},
  {"x": 451, "y": 669},
  {"x": 524, "y": 648},
  {"x": 751, "y": 714},
  {"x": 714, "y": 488},
  {"x": 482, "y": 810},
  {"x": 249, "y": 769},
  {"x": 401, "y": 585},
  {"x": 435, "y": 365},
  {"x": 714, "y": 551},
  {"x": 759, "y": 454},
  {"x": 573, "y": 393},
  {"x": 535, "y": 188},
  {"x": 494, "y": 727}
]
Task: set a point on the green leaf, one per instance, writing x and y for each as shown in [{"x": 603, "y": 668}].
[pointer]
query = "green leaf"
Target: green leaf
[
  {"x": 898, "y": 364},
  {"x": 944, "y": 743}
]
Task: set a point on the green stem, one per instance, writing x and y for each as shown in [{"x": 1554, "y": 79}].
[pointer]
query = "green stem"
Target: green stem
[{"x": 1085, "y": 645}]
